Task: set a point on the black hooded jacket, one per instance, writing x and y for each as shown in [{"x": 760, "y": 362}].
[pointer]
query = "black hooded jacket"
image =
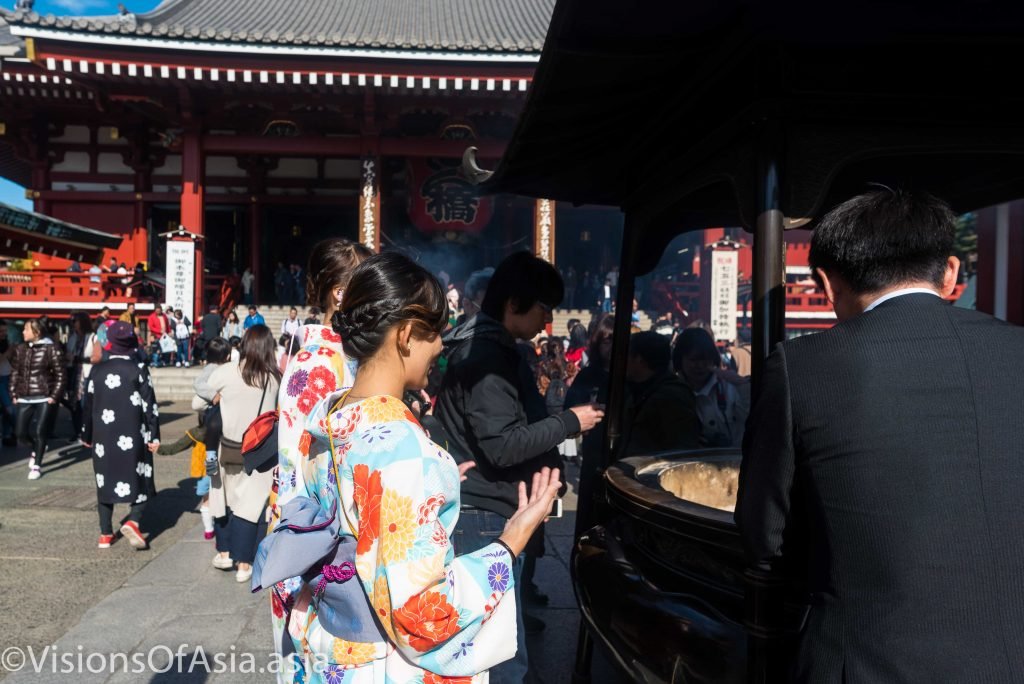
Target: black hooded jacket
[{"x": 486, "y": 410}]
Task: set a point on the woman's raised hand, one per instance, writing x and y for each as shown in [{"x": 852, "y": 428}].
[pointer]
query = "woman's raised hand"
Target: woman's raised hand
[{"x": 533, "y": 509}]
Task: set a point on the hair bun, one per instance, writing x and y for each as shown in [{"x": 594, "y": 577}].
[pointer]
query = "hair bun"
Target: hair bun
[{"x": 343, "y": 325}]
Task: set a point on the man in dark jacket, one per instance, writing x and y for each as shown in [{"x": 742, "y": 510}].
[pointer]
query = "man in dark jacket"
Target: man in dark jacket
[
  {"x": 482, "y": 410},
  {"x": 211, "y": 326},
  {"x": 661, "y": 411},
  {"x": 882, "y": 459}
]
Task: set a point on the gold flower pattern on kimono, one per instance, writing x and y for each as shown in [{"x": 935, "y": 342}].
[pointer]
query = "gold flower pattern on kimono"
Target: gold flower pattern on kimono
[
  {"x": 397, "y": 527},
  {"x": 384, "y": 410},
  {"x": 382, "y": 605},
  {"x": 352, "y": 652}
]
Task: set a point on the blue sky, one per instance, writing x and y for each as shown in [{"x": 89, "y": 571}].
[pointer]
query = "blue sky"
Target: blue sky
[
  {"x": 15, "y": 194},
  {"x": 85, "y": 7}
]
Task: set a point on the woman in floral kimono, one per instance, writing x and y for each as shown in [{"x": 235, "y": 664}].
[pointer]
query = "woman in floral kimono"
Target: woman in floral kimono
[
  {"x": 319, "y": 368},
  {"x": 122, "y": 425},
  {"x": 372, "y": 470}
]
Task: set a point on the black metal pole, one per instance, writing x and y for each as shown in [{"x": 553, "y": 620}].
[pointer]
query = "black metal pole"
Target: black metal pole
[
  {"x": 765, "y": 591},
  {"x": 590, "y": 488},
  {"x": 620, "y": 341},
  {"x": 769, "y": 279}
]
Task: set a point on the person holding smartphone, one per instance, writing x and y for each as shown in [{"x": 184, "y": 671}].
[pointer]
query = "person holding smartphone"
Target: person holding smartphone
[{"x": 492, "y": 412}]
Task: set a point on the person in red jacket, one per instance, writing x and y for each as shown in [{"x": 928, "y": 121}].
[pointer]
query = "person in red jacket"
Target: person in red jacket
[{"x": 158, "y": 326}]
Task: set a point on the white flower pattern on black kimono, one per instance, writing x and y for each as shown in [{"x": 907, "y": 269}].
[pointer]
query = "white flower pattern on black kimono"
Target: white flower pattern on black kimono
[{"x": 119, "y": 420}]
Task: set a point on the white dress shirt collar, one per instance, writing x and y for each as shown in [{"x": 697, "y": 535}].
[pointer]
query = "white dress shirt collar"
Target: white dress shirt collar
[{"x": 899, "y": 293}]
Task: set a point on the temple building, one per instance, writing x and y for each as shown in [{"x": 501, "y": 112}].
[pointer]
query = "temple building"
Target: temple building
[{"x": 261, "y": 127}]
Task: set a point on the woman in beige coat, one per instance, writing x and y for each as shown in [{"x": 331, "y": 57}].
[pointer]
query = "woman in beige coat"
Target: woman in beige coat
[{"x": 244, "y": 389}]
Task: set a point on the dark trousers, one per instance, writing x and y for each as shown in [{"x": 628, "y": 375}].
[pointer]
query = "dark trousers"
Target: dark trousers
[
  {"x": 213, "y": 424},
  {"x": 44, "y": 413},
  {"x": 7, "y": 410},
  {"x": 237, "y": 537},
  {"x": 71, "y": 399},
  {"x": 476, "y": 529},
  {"x": 106, "y": 511}
]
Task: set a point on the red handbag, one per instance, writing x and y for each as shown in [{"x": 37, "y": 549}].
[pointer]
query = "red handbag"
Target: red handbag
[{"x": 259, "y": 442}]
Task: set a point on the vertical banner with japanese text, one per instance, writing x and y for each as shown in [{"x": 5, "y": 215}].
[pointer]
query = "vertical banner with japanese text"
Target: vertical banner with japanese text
[
  {"x": 544, "y": 230},
  {"x": 369, "y": 204},
  {"x": 724, "y": 292},
  {"x": 181, "y": 269}
]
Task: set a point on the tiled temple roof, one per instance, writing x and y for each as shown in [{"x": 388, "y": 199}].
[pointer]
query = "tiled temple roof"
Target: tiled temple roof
[
  {"x": 10, "y": 45},
  {"x": 476, "y": 26}
]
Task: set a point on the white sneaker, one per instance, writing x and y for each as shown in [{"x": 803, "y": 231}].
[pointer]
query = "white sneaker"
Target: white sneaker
[
  {"x": 178, "y": 364},
  {"x": 223, "y": 562},
  {"x": 34, "y": 474},
  {"x": 243, "y": 575}
]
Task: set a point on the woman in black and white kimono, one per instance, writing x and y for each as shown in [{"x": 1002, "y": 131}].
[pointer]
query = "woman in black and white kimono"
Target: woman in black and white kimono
[{"x": 122, "y": 425}]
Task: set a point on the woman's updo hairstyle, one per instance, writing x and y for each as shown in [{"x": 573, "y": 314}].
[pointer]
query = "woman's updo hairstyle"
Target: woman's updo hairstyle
[
  {"x": 331, "y": 264},
  {"x": 387, "y": 290}
]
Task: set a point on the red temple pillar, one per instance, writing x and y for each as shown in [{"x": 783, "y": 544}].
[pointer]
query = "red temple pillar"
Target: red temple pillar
[
  {"x": 192, "y": 205},
  {"x": 140, "y": 231}
]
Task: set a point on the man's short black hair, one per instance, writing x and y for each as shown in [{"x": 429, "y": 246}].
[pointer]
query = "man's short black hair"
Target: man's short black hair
[
  {"x": 524, "y": 280},
  {"x": 885, "y": 238},
  {"x": 654, "y": 348}
]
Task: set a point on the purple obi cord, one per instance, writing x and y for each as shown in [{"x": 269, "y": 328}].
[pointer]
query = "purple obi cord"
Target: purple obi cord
[{"x": 335, "y": 573}]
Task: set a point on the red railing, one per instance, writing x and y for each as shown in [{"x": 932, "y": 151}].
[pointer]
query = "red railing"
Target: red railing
[{"x": 58, "y": 290}]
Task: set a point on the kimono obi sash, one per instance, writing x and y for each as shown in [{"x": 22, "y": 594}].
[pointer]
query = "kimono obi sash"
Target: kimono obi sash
[{"x": 309, "y": 543}]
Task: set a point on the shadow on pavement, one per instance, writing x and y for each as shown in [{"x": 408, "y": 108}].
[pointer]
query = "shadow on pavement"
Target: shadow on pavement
[
  {"x": 65, "y": 458},
  {"x": 174, "y": 502}
]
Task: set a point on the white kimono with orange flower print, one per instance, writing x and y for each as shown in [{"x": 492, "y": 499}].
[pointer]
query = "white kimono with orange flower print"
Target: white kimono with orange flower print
[
  {"x": 318, "y": 369},
  {"x": 447, "y": 618}
]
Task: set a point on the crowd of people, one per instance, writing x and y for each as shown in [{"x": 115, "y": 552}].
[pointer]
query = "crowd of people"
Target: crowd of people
[
  {"x": 476, "y": 372},
  {"x": 419, "y": 449}
]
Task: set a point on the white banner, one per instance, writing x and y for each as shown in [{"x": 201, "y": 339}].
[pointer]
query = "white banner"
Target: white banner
[
  {"x": 724, "y": 292},
  {"x": 181, "y": 275}
]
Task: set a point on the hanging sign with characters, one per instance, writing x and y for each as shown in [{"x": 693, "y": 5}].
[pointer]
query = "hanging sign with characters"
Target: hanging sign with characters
[
  {"x": 441, "y": 198},
  {"x": 724, "y": 291},
  {"x": 181, "y": 274}
]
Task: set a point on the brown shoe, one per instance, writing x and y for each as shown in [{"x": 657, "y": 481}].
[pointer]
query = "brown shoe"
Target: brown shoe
[{"x": 130, "y": 531}]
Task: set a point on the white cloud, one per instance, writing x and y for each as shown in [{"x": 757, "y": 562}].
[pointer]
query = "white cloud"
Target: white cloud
[{"x": 82, "y": 6}]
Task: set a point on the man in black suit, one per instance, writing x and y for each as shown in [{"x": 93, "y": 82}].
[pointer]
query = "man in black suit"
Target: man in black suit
[{"x": 883, "y": 459}]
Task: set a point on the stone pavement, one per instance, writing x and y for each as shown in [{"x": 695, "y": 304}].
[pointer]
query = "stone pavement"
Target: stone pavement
[{"x": 59, "y": 592}]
